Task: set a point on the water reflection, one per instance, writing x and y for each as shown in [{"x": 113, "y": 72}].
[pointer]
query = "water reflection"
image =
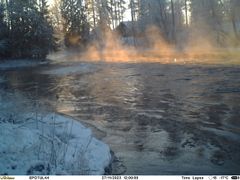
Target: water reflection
[
  {"x": 158, "y": 119},
  {"x": 114, "y": 86}
]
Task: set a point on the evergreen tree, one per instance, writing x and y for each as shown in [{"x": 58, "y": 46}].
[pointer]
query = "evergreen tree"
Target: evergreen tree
[
  {"x": 25, "y": 30},
  {"x": 44, "y": 30},
  {"x": 3, "y": 33},
  {"x": 76, "y": 27}
]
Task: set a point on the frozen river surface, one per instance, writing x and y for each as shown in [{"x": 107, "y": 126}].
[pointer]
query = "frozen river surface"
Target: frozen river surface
[{"x": 158, "y": 119}]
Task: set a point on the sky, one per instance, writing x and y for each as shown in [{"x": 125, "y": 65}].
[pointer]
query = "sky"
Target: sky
[{"x": 127, "y": 14}]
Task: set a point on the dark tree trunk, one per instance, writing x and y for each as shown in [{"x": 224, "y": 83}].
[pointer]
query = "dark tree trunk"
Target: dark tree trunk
[
  {"x": 173, "y": 23},
  {"x": 186, "y": 12},
  {"x": 93, "y": 11}
]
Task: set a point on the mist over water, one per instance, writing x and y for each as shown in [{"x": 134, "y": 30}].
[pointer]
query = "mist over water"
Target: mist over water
[{"x": 109, "y": 46}]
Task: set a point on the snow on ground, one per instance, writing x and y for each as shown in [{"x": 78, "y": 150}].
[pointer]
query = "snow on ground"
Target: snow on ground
[
  {"x": 34, "y": 142},
  {"x": 19, "y": 63},
  {"x": 81, "y": 68},
  {"x": 53, "y": 144}
]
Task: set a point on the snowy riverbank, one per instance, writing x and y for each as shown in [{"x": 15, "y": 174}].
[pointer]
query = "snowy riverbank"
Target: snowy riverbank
[
  {"x": 20, "y": 63},
  {"x": 38, "y": 142},
  {"x": 53, "y": 145}
]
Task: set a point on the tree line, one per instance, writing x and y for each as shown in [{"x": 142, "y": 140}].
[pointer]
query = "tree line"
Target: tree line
[
  {"x": 219, "y": 20},
  {"x": 32, "y": 28},
  {"x": 25, "y": 29}
]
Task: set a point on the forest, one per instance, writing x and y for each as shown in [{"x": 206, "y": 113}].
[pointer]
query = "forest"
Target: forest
[
  {"x": 33, "y": 28},
  {"x": 120, "y": 87}
]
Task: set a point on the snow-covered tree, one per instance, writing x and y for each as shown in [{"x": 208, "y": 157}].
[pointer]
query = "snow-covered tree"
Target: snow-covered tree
[{"x": 29, "y": 32}]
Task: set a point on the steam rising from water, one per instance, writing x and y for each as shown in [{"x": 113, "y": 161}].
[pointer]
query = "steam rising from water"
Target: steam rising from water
[{"x": 108, "y": 47}]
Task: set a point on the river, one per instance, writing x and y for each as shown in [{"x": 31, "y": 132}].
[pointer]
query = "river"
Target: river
[{"x": 157, "y": 118}]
